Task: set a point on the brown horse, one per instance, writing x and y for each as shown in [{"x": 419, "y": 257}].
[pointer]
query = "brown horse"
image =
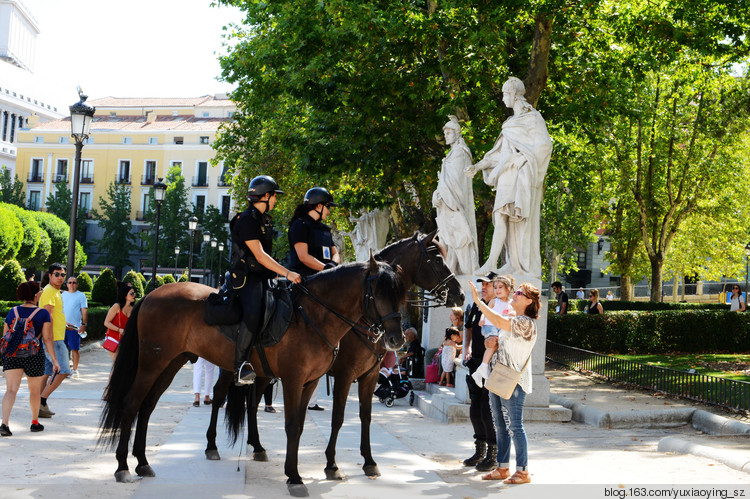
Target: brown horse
[
  {"x": 166, "y": 329},
  {"x": 421, "y": 260}
]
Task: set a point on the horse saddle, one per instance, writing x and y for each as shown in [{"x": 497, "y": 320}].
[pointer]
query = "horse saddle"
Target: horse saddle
[{"x": 223, "y": 309}]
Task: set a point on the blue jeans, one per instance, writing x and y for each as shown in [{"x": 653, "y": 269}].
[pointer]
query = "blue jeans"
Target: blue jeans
[{"x": 508, "y": 416}]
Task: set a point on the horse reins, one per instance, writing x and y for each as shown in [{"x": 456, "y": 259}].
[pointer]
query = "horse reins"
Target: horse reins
[{"x": 439, "y": 293}]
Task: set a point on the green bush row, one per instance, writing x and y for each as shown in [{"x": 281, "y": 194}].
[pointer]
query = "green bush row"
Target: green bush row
[
  {"x": 645, "y": 306},
  {"x": 689, "y": 331}
]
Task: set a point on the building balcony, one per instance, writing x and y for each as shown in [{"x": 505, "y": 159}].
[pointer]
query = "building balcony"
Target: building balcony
[
  {"x": 200, "y": 181},
  {"x": 35, "y": 178},
  {"x": 148, "y": 180},
  {"x": 60, "y": 178},
  {"x": 89, "y": 213},
  {"x": 140, "y": 216},
  {"x": 123, "y": 180},
  {"x": 87, "y": 180},
  {"x": 224, "y": 181}
]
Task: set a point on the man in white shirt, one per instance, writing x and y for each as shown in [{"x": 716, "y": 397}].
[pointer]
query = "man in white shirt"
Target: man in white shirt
[{"x": 75, "y": 306}]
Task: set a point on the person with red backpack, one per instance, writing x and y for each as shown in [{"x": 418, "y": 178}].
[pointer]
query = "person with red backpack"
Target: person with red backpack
[{"x": 25, "y": 329}]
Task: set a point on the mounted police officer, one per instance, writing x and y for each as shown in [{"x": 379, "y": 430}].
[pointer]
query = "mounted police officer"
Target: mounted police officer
[
  {"x": 252, "y": 265},
  {"x": 310, "y": 241}
]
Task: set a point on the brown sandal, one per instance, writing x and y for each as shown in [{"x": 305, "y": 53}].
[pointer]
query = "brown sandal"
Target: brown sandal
[
  {"x": 519, "y": 477},
  {"x": 497, "y": 474}
]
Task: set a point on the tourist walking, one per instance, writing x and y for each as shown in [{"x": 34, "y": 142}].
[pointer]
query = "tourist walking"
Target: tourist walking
[
  {"x": 75, "y": 306},
  {"x": 51, "y": 300}
]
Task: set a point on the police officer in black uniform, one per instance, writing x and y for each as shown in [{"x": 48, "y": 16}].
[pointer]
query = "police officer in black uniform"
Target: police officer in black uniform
[
  {"x": 310, "y": 241},
  {"x": 252, "y": 265}
]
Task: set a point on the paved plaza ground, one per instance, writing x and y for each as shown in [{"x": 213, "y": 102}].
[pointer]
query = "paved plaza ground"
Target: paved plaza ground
[{"x": 416, "y": 456}]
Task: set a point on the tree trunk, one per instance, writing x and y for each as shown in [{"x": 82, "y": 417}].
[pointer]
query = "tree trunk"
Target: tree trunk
[
  {"x": 657, "y": 262},
  {"x": 536, "y": 74},
  {"x": 625, "y": 287}
]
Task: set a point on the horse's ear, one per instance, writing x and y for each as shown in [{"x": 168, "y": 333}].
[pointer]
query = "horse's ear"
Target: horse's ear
[
  {"x": 373, "y": 264},
  {"x": 429, "y": 237}
]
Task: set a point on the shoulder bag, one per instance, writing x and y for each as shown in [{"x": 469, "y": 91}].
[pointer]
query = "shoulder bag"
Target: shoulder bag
[{"x": 503, "y": 379}]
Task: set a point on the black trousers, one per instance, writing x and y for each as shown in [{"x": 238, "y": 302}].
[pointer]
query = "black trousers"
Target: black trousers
[
  {"x": 480, "y": 413},
  {"x": 252, "y": 300}
]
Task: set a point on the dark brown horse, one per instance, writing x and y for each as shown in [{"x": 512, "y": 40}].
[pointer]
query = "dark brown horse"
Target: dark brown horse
[
  {"x": 420, "y": 259},
  {"x": 166, "y": 329}
]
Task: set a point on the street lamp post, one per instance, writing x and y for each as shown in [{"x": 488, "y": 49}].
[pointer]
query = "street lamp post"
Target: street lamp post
[
  {"x": 159, "y": 189},
  {"x": 81, "y": 116},
  {"x": 192, "y": 225},
  {"x": 176, "y": 256},
  {"x": 747, "y": 269},
  {"x": 213, "y": 252},
  {"x": 219, "y": 273},
  {"x": 206, "y": 239}
]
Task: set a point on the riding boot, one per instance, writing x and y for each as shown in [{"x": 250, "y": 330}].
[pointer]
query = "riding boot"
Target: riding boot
[
  {"x": 244, "y": 374},
  {"x": 481, "y": 451},
  {"x": 489, "y": 463}
]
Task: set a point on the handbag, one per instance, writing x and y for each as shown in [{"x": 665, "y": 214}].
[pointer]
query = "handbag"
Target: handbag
[
  {"x": 110, "y": 343},
  {"x": 503, "y": 379},
  {"x": 431, "y": 374}
]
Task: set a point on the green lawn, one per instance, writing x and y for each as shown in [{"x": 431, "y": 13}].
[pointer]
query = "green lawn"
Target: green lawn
[{"x": 730, "y": 366}]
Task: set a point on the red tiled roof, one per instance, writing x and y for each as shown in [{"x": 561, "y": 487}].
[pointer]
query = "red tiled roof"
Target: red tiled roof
[{"x": 139, "y": 123}]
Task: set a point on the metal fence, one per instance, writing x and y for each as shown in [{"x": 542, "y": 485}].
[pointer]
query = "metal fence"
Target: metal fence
[{"x": 728, "y": 393}]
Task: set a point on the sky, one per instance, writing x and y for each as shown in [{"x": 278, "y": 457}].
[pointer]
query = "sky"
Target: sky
[{"x": 137, "y": 48}]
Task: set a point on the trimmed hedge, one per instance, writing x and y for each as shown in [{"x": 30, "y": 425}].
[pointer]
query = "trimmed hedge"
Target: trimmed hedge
[
  {"x": 644, "y": 306},
  {"x": 105, "y": 287},
  {"x": 85, "y": 284},
  {"x": 11, "y": 277},
  {"x": 690, "y": 331}
]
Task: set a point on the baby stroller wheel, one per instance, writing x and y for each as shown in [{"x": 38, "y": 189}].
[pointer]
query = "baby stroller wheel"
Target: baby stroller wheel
[
  {"x": 411, "y": 398},
  {"x": 381, "y": 399},
  {"x": 389, "y": 402}
]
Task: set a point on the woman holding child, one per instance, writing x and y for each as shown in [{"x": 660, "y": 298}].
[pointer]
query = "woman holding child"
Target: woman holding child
[{"x": 514, "y": 344}]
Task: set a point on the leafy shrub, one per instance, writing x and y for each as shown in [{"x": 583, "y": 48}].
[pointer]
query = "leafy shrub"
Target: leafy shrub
[
  {"x": 11, "y": 277},
  {"x": 644, "y": 306},
  {"x": 152, "y": 286},
  {"x": 11, "y": 234},
  {"x": 132, "y": 278},
  {"x": 105, "y": 287},
  {"x": 169, "y": 278},
  {"x": 85, "y": 284},
  {"x": 143, "y": 280},
  {"x": 183, "y": 278},
  {"x": 31, "y": 233},
  {"x": 689, "y": 331}
]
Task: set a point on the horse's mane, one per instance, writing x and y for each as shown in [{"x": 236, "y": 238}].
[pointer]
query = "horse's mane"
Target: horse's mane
[{"x": 395, "y": 246}]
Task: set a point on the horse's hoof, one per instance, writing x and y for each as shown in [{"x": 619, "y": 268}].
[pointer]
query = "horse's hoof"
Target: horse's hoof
[
  {"x": 213, "y": 455},
  {"x": 297, "y": 489},
  {"x": 334, "y": 474},
  {"x": 371, "y": 470},
  {"x": 260, "y": 456},
  {"x": 145, "y": 470},
  {"x": 123, "y": 476}
]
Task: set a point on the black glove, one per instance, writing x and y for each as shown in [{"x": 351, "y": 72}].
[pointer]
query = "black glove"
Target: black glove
[{"x": 329, "y": 265}]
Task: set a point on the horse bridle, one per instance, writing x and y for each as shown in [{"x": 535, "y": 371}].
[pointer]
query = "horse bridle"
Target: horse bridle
[{"x": 439, "y": 293}]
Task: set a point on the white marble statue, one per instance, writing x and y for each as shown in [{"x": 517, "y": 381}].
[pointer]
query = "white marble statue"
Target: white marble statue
[
  {"x": 370, "y": 233},
  {"x": 516, "y": 167},
  {"x": 454, "y": 201}
]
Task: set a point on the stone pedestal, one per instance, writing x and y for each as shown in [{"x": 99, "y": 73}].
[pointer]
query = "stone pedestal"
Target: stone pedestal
[{"x": 433, "y": 333}]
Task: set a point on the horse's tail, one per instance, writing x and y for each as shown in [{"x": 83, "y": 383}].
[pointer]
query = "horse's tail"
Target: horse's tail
[
  {"x": 234, "y": 414},
  {"x": 120, "y": 382}
]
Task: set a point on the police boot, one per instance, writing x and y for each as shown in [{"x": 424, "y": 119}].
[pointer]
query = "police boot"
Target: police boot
[
  {"x": 244, "y": 374},
  {"x": 489, "y": 463},
  {"x": 481, "y": 451}
]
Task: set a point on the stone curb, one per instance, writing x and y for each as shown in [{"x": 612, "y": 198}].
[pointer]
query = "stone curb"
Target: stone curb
[{"x": 677, "y": 445}]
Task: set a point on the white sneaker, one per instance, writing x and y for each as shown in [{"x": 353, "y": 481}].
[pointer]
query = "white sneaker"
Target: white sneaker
[
  {"x": 482, "y": 373},
  {"x": 74, "y": 374}
]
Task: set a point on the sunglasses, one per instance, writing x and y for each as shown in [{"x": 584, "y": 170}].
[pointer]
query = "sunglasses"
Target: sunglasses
[
  {"x": 58, "y": 274},
  {"x": 131, "y": 293},
  {"x": 72, "y": 283},
  {"x": 520, "y": 293}
]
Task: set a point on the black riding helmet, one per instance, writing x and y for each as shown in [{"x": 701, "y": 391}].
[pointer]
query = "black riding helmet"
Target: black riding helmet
[
  {"x": 318, "y": 195},
  {"x": 262, "y": 184}
]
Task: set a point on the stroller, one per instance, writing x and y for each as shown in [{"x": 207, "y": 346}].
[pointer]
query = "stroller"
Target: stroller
[{"x": 395, "y": 386}]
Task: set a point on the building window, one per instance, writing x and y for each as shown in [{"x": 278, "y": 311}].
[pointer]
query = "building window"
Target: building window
[
  {"x": 61, "y": 173},
  {"x": 64, "y": 140},
  {"x": 178, "y": 164},
  {"x": 179, "y": 140},
  {"x": 153, "y": 140},
  {"x": 34, "y": 197},
  {"x": 127, "y": 140},
  {"x": 37, "y": 170},
  {"x": 224, "y": 178},
  {"x": 230, "y": 114},
  {"x": 85, "y": 202},
  {"x": 123, "y": 175},
  {"x": 225, "y": 203},
  {"x": 87, "y": 171},
  {"x": 206, "y": 114},
  {"x": 149, "y": 173},
  {"x": 201, "y": 177},
  {"x": 581, "y": 260},
  {"x": 204, "y": 140},
  {"x": 200, "y": 204},
  {"x": 38, "y": 140},
  {"x": 89, "y": 140}
]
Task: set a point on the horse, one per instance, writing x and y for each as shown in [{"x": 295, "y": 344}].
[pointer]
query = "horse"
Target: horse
[
  {"x": 421, "y": 260},
  {"x": 166, "y": 329}
]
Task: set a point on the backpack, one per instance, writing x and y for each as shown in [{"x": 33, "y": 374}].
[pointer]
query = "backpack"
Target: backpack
[{"x": 21, "y": 339}]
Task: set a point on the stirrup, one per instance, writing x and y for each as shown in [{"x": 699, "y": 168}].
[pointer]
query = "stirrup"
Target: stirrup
[{"x": 245, "y": 374}]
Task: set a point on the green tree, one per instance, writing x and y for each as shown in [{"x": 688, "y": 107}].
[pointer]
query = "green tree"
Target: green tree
[
  {"x": 105, "y": 287},
  {"x": 84, "y": 282},
  {"x": 135, "y": 281},
  {"x": 216, "y": 224},
  {"x": 31, "y": 233},
  {"x": 10, "y": 278},
  {"x": 60, "y": 204},
  {"x": 11, "y": 234},
  {"x": 113, "y": 218},
  {"x": 59, "y": 232},
  {"x": 11, "y": 190},
  {"x": 173, "y": 217}
]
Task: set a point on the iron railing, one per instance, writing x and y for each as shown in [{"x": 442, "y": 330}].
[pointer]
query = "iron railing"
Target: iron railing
[{"x": 713, "y": 390}]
